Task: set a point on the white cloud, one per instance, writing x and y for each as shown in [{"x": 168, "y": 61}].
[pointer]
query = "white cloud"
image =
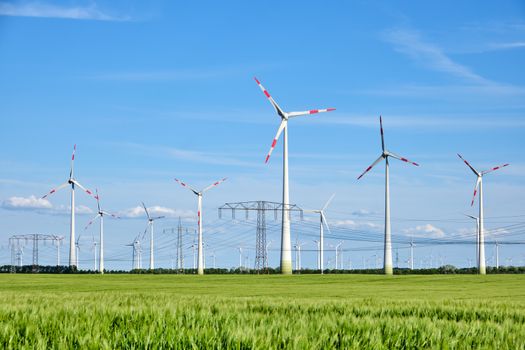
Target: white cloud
[
  {"x": 447, "y": 121},
  {"x": 192, "y": 156},
  {"x": 138, "y": 212},
  {"x": 509, "y": 45},
  {"x": 355, "y": 224},
  {"x": 363, "y": 212},
  {"x": 410, "y": 43},
  {"x": 41, "y": 205},
  {"x": 29, "y": 203},
  {"x": 38, "y": 9},
  {"x": 426, "y": 231}
]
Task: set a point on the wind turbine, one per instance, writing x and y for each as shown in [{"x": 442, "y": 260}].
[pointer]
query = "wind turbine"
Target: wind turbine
[
  {"x": 286, "y": 248},
  {"x": 100, "y": 214},
  {"x": 200, "y": 261},
  {"x": 479, "y": 184},
  {"x": 94, "y": 248},
  {"x": 150, "y": 226},
  {"x": 477, "y": 236},
  {"x": 77, "y": 250},
  {"x": 71, "y": 182},
  {"x": 322, "y": 223},
  {"x": 387, "y": 262}
]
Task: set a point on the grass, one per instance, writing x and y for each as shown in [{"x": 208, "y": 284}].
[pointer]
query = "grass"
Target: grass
[{"x": 264, "y": 312}]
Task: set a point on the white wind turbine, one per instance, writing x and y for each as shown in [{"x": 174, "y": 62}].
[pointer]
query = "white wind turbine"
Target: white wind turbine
[
  {"x": 71, "y": 182},
  {"x": 200, "y": 260},
  {"x": 151, "y": 220},
  {"x": 286, "y": 247},
  {"x": 100, "y": 214},
  {"x": 477, "y": 236},
  {"x": 387, "y": 262},
  {"x": 322, "y": 222},
  {"x": 479, "y": 184},
  {"x": 77, "y": 250}
]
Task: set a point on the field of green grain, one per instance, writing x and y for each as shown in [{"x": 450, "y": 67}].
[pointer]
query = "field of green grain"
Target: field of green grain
[{"x": 262, "y": 312}]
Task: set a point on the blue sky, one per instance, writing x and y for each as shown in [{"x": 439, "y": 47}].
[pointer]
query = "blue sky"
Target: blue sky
[{"x": 158, "y": 90}]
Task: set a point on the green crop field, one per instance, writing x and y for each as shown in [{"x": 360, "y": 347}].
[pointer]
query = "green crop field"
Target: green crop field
[{"x": 263, "y": 312}]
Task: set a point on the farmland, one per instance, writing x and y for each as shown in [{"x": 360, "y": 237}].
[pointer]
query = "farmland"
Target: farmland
[{"x": 243, "y": 312}]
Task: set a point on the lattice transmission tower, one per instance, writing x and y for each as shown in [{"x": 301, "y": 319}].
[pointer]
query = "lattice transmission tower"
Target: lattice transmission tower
[
  {"x": 261, "y": 207},
  {"x": 17, "y": 243}
]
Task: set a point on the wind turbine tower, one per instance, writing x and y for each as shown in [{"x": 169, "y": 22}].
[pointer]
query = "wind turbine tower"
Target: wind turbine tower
[
  {"x": 286, "y": 246},
  {"x": 479, "y": 185},
  {"x": 387, "y": 256}
]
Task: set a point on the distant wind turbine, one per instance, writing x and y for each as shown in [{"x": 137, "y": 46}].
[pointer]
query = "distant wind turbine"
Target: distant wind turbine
[
  {"x": 200, "y": 260},
  {"x": 387, "y": 263},
  {"x": 71, "y": 182},
  {"x": 100, "y": 214},
  {"x": 322, "y": 222},
  {"x": 479, "y": 184},
  {"x": 151, "y": 220}
]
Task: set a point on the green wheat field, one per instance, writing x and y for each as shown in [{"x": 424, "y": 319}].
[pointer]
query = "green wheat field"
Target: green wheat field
[{"x": 262, "y": 312}]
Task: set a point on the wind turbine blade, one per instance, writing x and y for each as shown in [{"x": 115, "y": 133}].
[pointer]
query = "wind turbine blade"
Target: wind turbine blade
[
  {"x": 158, "y": 217},
  {"x": 326, "y": 223},
  {"x": 55, "y": 189},
  {"x": 83, "y": 188},
  {"x": 311, "y": 111},
  {"x": 382, "y": 134},
  {"x": 371, "y": 166},
  {"x": 98, "y": 199},
  {"x": 91, "y": 221},
  {"x": 475, "y": 190},
  {"x": 146, "y": 209},
  {"x": 283, "y": 125},
  {"x": 270, "y": 98},
  {"x": 468, "y": 164},
  {"x": 145, "y": 231},
  {"x": 183, "y": 184},
  {"x": 72, "y": 161},
  {"x": 494, "y": 169},
  {"x": 110, "y": 214},
  {"x": 328, "y": 202},
  {"x": 216, "y": 183},
  {"x": 391, "y": 154},
  {"x": 471, "y": 216}
]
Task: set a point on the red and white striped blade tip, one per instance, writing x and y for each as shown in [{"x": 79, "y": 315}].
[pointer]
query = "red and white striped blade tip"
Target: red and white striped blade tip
[{"x": 314, "y": 111}]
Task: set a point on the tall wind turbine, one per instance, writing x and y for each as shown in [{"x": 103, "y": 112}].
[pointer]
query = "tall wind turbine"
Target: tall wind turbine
[
  {"x": 322, "y": 222},
  {"x": 286, "y": 247},
  {"x": 71, "y": 182},
  {"x": 479, "y": 184},
  {"x": 387, "y": 262},
  {"x": 150, "y": 226},
  {"x": 100, "y": 214},
  {"x": 200, "y": 260}
]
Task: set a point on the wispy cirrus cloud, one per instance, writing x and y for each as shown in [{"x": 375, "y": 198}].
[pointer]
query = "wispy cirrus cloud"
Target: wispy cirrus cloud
[
  {"x": 411, "y": 43},
  {"x": 448, "y": 122},
  {"x": 191, "y": 155},
  {"x": 508, "y": 45},
  {"x": 45, "y": 10}
]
